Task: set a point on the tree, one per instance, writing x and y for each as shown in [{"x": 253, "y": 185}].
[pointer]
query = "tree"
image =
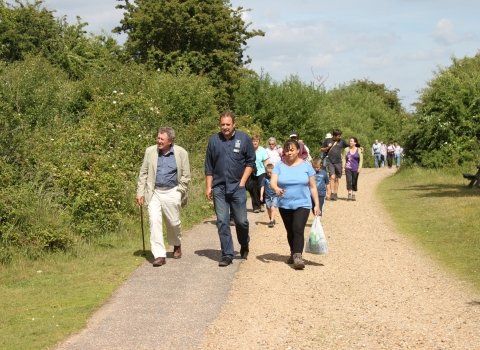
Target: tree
[
  {"x": 204, "y": 37},
  {"x": 447, "y": 128},
  {"x": 389, "y": 96},
  {"x": 31, "y": 29}
]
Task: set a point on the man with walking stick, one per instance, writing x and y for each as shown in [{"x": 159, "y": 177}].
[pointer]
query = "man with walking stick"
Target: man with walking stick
[{"x": 162, "y": 186}]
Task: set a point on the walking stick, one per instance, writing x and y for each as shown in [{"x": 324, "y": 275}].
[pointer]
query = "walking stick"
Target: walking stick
[{"x": 143, "y": 235}]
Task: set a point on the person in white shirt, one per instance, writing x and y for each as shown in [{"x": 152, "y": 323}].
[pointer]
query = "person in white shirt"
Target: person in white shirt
[
  {"x": 376, "y": 149},
  {"x": 390, "y": 151},
  {"x": 397, "y": 154}
]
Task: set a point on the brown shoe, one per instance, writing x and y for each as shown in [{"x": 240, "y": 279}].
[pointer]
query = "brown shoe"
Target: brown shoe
[
  {"x": 177, "y": 251},
  {"x": 159, "y": 262}
]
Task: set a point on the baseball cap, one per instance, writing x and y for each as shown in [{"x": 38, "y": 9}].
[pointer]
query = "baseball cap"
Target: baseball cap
[
  {"x": 328, "y": 136},
  {"x": 293, "y": 134}
]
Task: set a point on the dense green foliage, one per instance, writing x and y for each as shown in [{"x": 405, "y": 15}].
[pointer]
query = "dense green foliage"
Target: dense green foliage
[
  {"x": 447, "y": 129},
  {"x": 30, "y": 29},
  {"x": 71, "y": 149},
  {"x": 356, "y": 108},
  {"x": 204, "y": 37}
]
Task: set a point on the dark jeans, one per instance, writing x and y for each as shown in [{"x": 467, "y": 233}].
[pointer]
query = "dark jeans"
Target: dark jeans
[
  {"x": 389, "y": 159},
  {"x": 235, "y": 203},
  {"x": 295, "y": 221},
  {"x": 352, "y": 179},
  {"x": 254, "y": 186}
]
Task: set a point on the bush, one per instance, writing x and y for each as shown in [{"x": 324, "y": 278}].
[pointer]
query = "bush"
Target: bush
[{"x": 446, "y": 132}]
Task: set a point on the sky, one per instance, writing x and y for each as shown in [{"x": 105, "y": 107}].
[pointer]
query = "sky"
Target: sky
[{"x": 399, "y": 43}]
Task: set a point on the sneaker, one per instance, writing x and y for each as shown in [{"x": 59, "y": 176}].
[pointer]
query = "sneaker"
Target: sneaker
[
  {"x": 334, "y": 197},
  {"x": 256, "y": 210},
  {"x": 290, "y": 260},
  {"x": 349, "y": 198},
  {"x": 271, "y": 224},
  {"x": 298, "y": 263},
  {"x": 232, "y": 223},
  {"x": 225, "y": 261},
  {"x": 274, "y": 222},
  {"x": 262, "y": 208},
  {"x": 244, "y": 251},
  {"x": 353, "y": 197}
]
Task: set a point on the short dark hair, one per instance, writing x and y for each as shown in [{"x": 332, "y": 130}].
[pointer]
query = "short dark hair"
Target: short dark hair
[
  {"x": 337, "y": 132},
  {"x": 227, "y": 114},
  {"x": 269, "y": 166}
]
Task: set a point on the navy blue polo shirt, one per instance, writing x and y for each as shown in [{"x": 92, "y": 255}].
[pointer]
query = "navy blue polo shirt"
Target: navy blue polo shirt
[{"x": 226, "y": 160}]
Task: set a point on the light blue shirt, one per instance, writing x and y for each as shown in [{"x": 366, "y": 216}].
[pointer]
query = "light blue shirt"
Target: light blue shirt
[
  {"x": 261, "y": 155},
  {"x": 294, "y": 180}
]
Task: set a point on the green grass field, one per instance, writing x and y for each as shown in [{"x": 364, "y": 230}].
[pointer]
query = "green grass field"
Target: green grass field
[
  {"x": 439, "y": 213},
  {"x": 47, "y": 299}
]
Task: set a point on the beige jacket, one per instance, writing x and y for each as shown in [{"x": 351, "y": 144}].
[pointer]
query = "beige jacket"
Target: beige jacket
[{"x": 148, "y": 173}]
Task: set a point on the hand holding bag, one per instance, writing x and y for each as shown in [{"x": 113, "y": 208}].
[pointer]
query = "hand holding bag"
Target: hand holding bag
[{"x": 316, "y": 243}]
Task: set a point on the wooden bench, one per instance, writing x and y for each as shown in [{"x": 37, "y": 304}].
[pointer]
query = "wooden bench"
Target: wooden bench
[{"x": 474, "y": 178}]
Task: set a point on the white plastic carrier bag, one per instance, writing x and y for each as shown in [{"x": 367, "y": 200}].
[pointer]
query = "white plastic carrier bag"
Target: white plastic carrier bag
[{"x": 316, "y": 242}]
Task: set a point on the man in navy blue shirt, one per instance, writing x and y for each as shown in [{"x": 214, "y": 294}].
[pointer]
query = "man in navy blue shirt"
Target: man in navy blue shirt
[{"x": 228, "y": 164}]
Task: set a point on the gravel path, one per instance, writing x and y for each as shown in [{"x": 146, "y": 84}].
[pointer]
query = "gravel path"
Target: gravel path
[{"x": 374, "y": 290}]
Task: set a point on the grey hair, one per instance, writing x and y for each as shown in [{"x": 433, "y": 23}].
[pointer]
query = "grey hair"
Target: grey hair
[
  {"x": 272, "y": 139},
  {"x": 167, "y": 130}
]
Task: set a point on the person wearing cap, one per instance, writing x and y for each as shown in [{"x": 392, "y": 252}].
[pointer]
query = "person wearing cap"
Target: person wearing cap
[
  {"x": 303, "y": 150},
  {"x": 333, "y": 148}
]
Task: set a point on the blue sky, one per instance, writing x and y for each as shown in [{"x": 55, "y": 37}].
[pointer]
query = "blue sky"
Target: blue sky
[{"x": 395, "y": 42}]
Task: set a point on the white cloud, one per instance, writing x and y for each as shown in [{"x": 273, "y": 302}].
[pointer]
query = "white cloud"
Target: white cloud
[{"x": 444, "y": 32}]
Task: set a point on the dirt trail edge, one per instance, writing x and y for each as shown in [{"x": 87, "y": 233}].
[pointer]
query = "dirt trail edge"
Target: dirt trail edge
[{"x": 373, "y": 290}]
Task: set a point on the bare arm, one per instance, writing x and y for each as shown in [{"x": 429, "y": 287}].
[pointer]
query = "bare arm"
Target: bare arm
[
  {"x": 208, "y": 185},
  {"x": 314, "y": 192},
  {"x": 246, "y": 174},
  {"x": 325, "y": 149},
  {"x": 274, "y": 185}
]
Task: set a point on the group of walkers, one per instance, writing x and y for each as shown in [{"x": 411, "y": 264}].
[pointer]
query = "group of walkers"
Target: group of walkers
[
  {"x": 285, "y": 177},
  {"x": 386, "y": 153}
]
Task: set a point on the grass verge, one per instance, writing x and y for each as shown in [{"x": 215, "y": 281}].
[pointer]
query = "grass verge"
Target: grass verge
[
  {"x": 45, "y": 300},
  {"x": 437, "y": 211}
]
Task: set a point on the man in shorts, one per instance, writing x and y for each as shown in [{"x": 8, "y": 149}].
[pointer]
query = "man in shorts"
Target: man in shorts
[{"x": 333, "y": 147}]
